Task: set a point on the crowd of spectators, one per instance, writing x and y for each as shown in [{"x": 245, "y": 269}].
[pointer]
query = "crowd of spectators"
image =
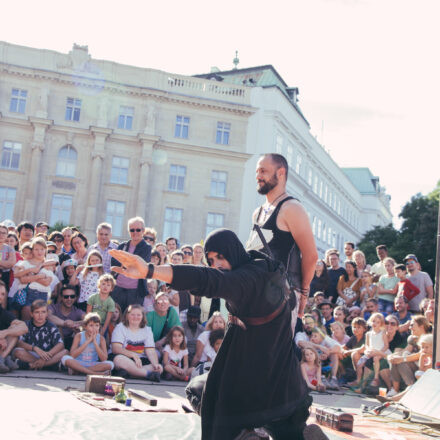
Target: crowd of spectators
[
  {"x": 367, "y": 325},
  {"x": 62, "y": 308}
]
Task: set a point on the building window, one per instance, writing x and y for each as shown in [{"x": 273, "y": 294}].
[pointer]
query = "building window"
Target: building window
[
  {"x": 310, "y": 176},
  {"x": 182, "y": 127},
  {"x": 315, "y": 184},
  {"x": 289, "y": 155},
  {"x": 172, "y": 223},
  {"x": 176, "y": 181},
  {"x": 330, "y": 195},
  {"x": 73, "y": 109},
  {"x": 298, "y": 164},
  {"x": 125, "y": 118},
  {"x": 66, "y": 164},
  {"x": 7, "y": 200},
  {"x": 223, "y": 132},
  {"x": 325, "y": 193},
  {"x": 18, "y": 101},
  {"x": 314, "y": 225},
  {"x": 61, "y": 209},
  {"x": 339, "y": 206},
  {"x": 329, "y": 235},
  {"x": 214, "y": 221},
  {"x": 324, "y": 233},
  {"x": 119, "y": 173},
  {"x": 115, "y": 216},
  {"x": 11, "y": 155},
  {"x": 279, "y": 144},
  {"x": 319, "y": 228},
  {"x": 321, "y": 184},
  {"x": 218, "y": 183}
]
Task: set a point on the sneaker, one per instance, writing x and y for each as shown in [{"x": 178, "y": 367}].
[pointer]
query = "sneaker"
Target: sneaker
[
  {"x": 333, "y": 384},
  {"x": 154, "y": 376},
  {"x": 12, "y": 365},
  {"x": 314, "y": 432},
  {"x": 392, "y": 392},
  {"x": 3, "y": 368}
]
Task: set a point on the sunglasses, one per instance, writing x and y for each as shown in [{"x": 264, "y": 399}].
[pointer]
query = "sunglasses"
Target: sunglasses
[
  {"x": 162, "y": 301},
  {"x": 58, "y": 240},
  {"x": 390, "y": 323},
  {"x": 187, "y": 252},
  {"x": 149, "y": 238},
  {"x": 136, "y": 230},
  {"x": 69, "y": 296}
]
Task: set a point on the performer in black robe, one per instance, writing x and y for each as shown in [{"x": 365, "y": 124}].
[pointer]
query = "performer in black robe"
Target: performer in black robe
[{"x": 255, "y": 379}]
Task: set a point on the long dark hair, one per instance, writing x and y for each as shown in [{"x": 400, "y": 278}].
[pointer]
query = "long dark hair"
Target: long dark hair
[{"x": 355, "y": 269}]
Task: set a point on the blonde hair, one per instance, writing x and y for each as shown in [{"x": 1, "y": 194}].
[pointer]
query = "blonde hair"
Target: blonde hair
[
  {"x": 374, "y": 316},
  {"x": 361, "y": 254},
  {"x": 88, "y": 269},
  {"x": 106, "y": 277},
  {"x": 427, "y": 339},
  {"x": 338, "y": 324},
  {"x": 211, "y": 320}
]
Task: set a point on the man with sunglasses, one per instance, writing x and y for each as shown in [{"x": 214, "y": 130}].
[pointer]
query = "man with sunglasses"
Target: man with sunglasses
[
  {"x": 420, "y": 279},
  {"x": 128, "y": 290},
  {"x": 65, "y": 315}
]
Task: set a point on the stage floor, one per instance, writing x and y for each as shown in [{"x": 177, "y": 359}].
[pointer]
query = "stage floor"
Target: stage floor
[{"x": 35, "y": 405}]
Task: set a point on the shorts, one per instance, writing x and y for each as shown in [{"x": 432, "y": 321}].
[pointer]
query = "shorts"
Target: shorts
[
  {"x": 33, "y": 295},
  {"x": 86, "y": 364}
]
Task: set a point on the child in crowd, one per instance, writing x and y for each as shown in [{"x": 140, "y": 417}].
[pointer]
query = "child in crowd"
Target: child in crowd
[
  {"x": 338, "y": 333},
  {"x": 386, "y": 287},
  {"x": 311, "y": 369},
  {"x": 412, "y": 345},
  {"x": 20, "y": 271},
  {"x": 88, "y": 354},
  {"x": 175, "y": 355},
  {"x": 88, "y": 275},
  {"x": 42, "y": 346},
  {"x": 115, "y": 320},
  {"x": 51, "y": 262},
  {"x": 425, "y": 344},
  {"x": 376, "y": 346},
  {"x": 68, "y": 271},
  {"x": 101, "y": 302},
  {"x": 368, "y": 288},
  {"x": 340, "y": 313},
  {"x": 152, "y": 286},
  {"x": 405, "y": 287},
  {"x": 215, "y": 341}
]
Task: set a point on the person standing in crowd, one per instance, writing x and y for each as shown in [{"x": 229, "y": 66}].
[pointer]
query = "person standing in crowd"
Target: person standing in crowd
[
  {"x": 150, "y": 236},
  {"x": 7, "y": 255},
  {"x": 252, "y": 382},
  {"x": 162, "y": 249},
  {"x": 378, "y": 268},
  {"x": 128, "y": 290},
  {"x": 349, "y": 250},
  {"x": 25, "y": 231},
  {"x": 320, "y": 279},
  {"x": 289, "y": 225},
  {"x": 349, "y": 286},
  {"x": 199, "y": 255},
  {"x": 187, "y": 253},
  {"x": 334, "y": 274},
  {"x": 193, "y": 330},
  {"x": 361, "y": 262},
  {"x": 79, "y": 244},
  {"x": 41, "y": 228},
  {"x": 326, "y": 308},
  {"x": 420, "y": 279},
  {"x": 386, "y": 287},
  {"x": 104, "y": 244},
  {"x": 67, "y": 246}
]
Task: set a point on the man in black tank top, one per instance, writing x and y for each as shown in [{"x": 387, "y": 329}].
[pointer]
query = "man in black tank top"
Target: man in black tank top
[{"x": 284, "y": 222}]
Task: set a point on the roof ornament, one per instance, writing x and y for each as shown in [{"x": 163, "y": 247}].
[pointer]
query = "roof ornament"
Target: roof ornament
[{"x": 236, "y": 60}]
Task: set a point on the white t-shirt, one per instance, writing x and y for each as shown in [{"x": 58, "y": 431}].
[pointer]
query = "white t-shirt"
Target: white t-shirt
[
  {"x": 37, "y": 286},
  {"x": 136, "y": 341},
  {"x": 211, "y": 353},
  {"x": 328, "y": 342},
  {"x": 175, "y": 358},
  {"x": 204, "y": 339},
  {"x": 16, "y": 285}
]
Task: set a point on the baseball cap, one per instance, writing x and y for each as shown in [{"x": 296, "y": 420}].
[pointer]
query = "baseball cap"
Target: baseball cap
[
  {"x": 8, "y": 223},
  {"x": 410, "y": 257},
  {"x": 52, "y": 258}
]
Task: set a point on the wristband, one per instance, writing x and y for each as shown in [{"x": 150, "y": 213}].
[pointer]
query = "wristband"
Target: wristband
[{"x": 150, "y": 271}]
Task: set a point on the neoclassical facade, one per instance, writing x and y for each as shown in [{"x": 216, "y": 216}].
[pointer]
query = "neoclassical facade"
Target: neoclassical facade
[{"x": 84, "y": 141}]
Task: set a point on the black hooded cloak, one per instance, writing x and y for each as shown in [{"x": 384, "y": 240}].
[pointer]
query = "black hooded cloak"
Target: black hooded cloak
[{"x": 255, "y": 378}]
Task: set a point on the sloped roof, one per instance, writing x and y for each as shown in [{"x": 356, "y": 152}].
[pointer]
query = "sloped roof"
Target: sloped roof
[{"x": 363, "y": 180}]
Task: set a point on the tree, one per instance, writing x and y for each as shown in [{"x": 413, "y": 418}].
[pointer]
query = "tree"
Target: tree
[
  {"x": 387, "y": 235},
  {"x": 417, "y": 234}
]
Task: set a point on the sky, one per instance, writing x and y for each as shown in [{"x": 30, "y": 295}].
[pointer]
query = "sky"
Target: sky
[{"x": 368, "y": 72}]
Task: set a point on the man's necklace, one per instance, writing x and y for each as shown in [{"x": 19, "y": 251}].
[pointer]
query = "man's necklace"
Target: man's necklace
[{"x": 272, "y": 205}]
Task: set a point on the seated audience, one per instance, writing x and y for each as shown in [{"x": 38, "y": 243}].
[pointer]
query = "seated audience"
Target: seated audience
[
  {"x": 349, "y": 286},
  {"x": 311, "y": 369},
  {"x": 338, "y": 333},
  {"x": 352, "y": 351},
  {"x": 88, "y": 275},
  {"x": 133, "y": 346},
  {"x": 42, "y": 346},
  {"x": 326, "y": 308},
  {"x": 65, "y": 315},
  {"x": 402, "y": 314},
  {"x": 193, "y": 329},
  {"x": 320, "y": 280},
  {"x": 175, "y": 355},
  {"x": 368, "y": 288},
  {"x": 88, "y": 354}
]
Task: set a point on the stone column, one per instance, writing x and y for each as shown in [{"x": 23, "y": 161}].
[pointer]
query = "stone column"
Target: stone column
[
  {"x": 34, "y": 176},
  {"x": 147, "y": 143},
  {"x": 94, "y": 183}
]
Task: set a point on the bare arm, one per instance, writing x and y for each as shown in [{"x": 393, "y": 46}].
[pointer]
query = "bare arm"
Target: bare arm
[
  {"x": 17, "y": 328},
  {"x": 101, "y": 349},
  {"x": 198, "y": 355},
  {"x": 107, "y": 321},
  {"x": 165, "y": 357}
]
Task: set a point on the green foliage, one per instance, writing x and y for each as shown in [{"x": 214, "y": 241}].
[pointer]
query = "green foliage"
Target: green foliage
[
  {"x": 59, "y": 226},
  {"x": 416, "y": 236}
]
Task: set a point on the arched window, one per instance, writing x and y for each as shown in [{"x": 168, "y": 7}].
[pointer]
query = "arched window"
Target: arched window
[{"x": 66, "y": 164}]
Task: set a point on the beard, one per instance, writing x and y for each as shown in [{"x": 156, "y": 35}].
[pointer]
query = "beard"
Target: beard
[
  {"x": 308, "y": 332},
  {"x": 268, "y": 186}
]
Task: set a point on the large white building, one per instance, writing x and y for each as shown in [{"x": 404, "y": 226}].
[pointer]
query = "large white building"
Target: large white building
[
  {"x": 84, "y": 141},
  {"x": 342, "y": 203}
]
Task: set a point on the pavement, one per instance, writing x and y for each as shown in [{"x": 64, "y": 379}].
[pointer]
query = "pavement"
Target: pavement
[{"x": 35, "y": 404}]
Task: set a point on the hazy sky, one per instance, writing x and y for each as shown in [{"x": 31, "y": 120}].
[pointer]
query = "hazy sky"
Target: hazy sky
[{"x": 368, "y": 72}]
